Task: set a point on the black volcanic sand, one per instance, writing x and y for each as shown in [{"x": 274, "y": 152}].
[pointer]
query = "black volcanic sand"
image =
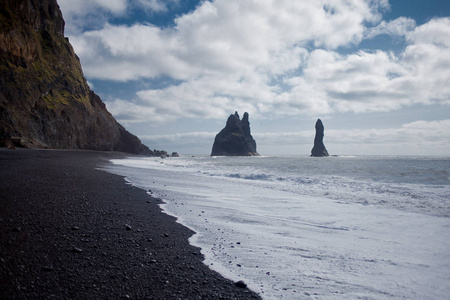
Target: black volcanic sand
[{"x": 70, "y": 231}]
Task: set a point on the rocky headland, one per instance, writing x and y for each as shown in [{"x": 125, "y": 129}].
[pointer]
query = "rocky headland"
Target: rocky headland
[
  {"x": 45, "y": 101},
  {"x": 235, "y": 139},
  {"x": 319, "y": 149}
]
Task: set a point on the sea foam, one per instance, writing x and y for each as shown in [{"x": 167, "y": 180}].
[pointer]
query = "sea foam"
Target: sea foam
[{"x": 300, "y": 227}]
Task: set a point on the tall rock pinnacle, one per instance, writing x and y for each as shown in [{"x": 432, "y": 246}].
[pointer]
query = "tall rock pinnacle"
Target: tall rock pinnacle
[
  {"x": 319, "y": 149},
  {"x": 235, "y": 139}
]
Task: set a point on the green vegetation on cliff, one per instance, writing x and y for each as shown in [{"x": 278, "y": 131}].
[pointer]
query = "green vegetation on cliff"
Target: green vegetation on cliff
[{"x": 44, "y": 98}]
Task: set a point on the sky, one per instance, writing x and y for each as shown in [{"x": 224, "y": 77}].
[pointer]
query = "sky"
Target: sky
[{"x": 376, "y": 72}]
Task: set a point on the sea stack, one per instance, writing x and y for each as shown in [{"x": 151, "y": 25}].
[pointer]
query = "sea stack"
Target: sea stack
[
  {"x": 319, "y": 149},
  {"x": 235, "y": 139},
  {"x": 45, "y": 101}
]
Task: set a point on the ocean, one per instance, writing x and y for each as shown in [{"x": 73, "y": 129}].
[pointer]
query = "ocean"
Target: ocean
[{"x": 298, "y": 227}]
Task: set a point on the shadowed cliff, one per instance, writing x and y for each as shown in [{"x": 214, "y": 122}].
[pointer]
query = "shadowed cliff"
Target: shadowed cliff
[{"x": 45, "y": 101}]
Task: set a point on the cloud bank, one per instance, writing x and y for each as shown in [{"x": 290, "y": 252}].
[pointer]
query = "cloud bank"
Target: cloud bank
[{"x": 276, "y": 58}]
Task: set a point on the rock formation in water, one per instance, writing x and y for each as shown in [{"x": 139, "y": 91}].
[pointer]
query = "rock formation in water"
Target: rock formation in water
[
  {"x": 235, "y": 139},
  {"x": 45, "y": 101},
  {"x": 319, "y": 149}
]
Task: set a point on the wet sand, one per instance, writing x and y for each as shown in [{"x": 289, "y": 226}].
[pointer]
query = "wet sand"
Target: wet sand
[{"x": 70, "y": 231}]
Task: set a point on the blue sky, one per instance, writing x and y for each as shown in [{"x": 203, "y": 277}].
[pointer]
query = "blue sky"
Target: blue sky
[{"x": 375, "y": 71}]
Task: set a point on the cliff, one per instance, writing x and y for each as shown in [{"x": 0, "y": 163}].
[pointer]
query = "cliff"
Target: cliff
[
  {"x": 235, "y": 139},
  {"x": 45, "y": 101},
  {"x": 319, "y": 149}
]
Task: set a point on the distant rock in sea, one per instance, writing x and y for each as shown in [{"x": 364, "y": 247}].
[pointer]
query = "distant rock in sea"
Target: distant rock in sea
[
  {"x": 235, "y": 139},
  {"x": 45, "y": 101},
  {"x": 319, "y": 149}
]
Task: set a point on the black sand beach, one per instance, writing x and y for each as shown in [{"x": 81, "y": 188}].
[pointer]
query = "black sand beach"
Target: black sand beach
[{"x": 70, "y": 231}]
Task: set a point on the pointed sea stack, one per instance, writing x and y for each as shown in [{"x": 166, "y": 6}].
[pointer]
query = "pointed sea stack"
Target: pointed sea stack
[
  {"x": 319, "y": 149},
  {"x": 235, "y": 139}
]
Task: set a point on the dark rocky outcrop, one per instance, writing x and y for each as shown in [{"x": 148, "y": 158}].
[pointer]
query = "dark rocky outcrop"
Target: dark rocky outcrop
[
  {"x": 45, "y": 101},
  {"x": 235, "y": 139},
  {"x": 319, "y": 149}
]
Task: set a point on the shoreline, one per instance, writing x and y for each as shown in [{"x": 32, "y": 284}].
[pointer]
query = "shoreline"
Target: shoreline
[{"x": 70, "y": 230}]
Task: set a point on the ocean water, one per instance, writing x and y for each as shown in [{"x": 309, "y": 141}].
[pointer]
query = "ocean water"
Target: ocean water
[{"x": 346, "y": 227}]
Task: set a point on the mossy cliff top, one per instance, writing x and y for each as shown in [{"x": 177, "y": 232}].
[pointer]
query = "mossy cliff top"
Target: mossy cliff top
[{"x": 44, "y": 98}]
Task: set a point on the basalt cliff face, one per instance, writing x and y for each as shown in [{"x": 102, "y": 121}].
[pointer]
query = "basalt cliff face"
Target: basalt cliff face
[
  {"x": 319, "y": 149},
  {"x": 45, "y": 101},
  {"x": 235, "y": 139}
]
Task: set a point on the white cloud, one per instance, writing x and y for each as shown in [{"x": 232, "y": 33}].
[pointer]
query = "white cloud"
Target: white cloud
[
  {"x": 128, "y": 112},
  {"x": 436, "y": 31},
  {"x": 415, "y": 133},
  {"x": 210, "y": 97},
  {"x": 398, "y": 27},
  {"x": 272, "y": 59},
  {"x": 416, "y": 138},
  {"x": 224, "y": 37},
  {"x": 155, "y": 5},
  {"x": 128, "y": 53},
  {"x": 381, "y": 81},
  {"x": 84, "y": 7},
  {"x": 360, "y": 82},
  {"x": 81, "y": 14}
]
